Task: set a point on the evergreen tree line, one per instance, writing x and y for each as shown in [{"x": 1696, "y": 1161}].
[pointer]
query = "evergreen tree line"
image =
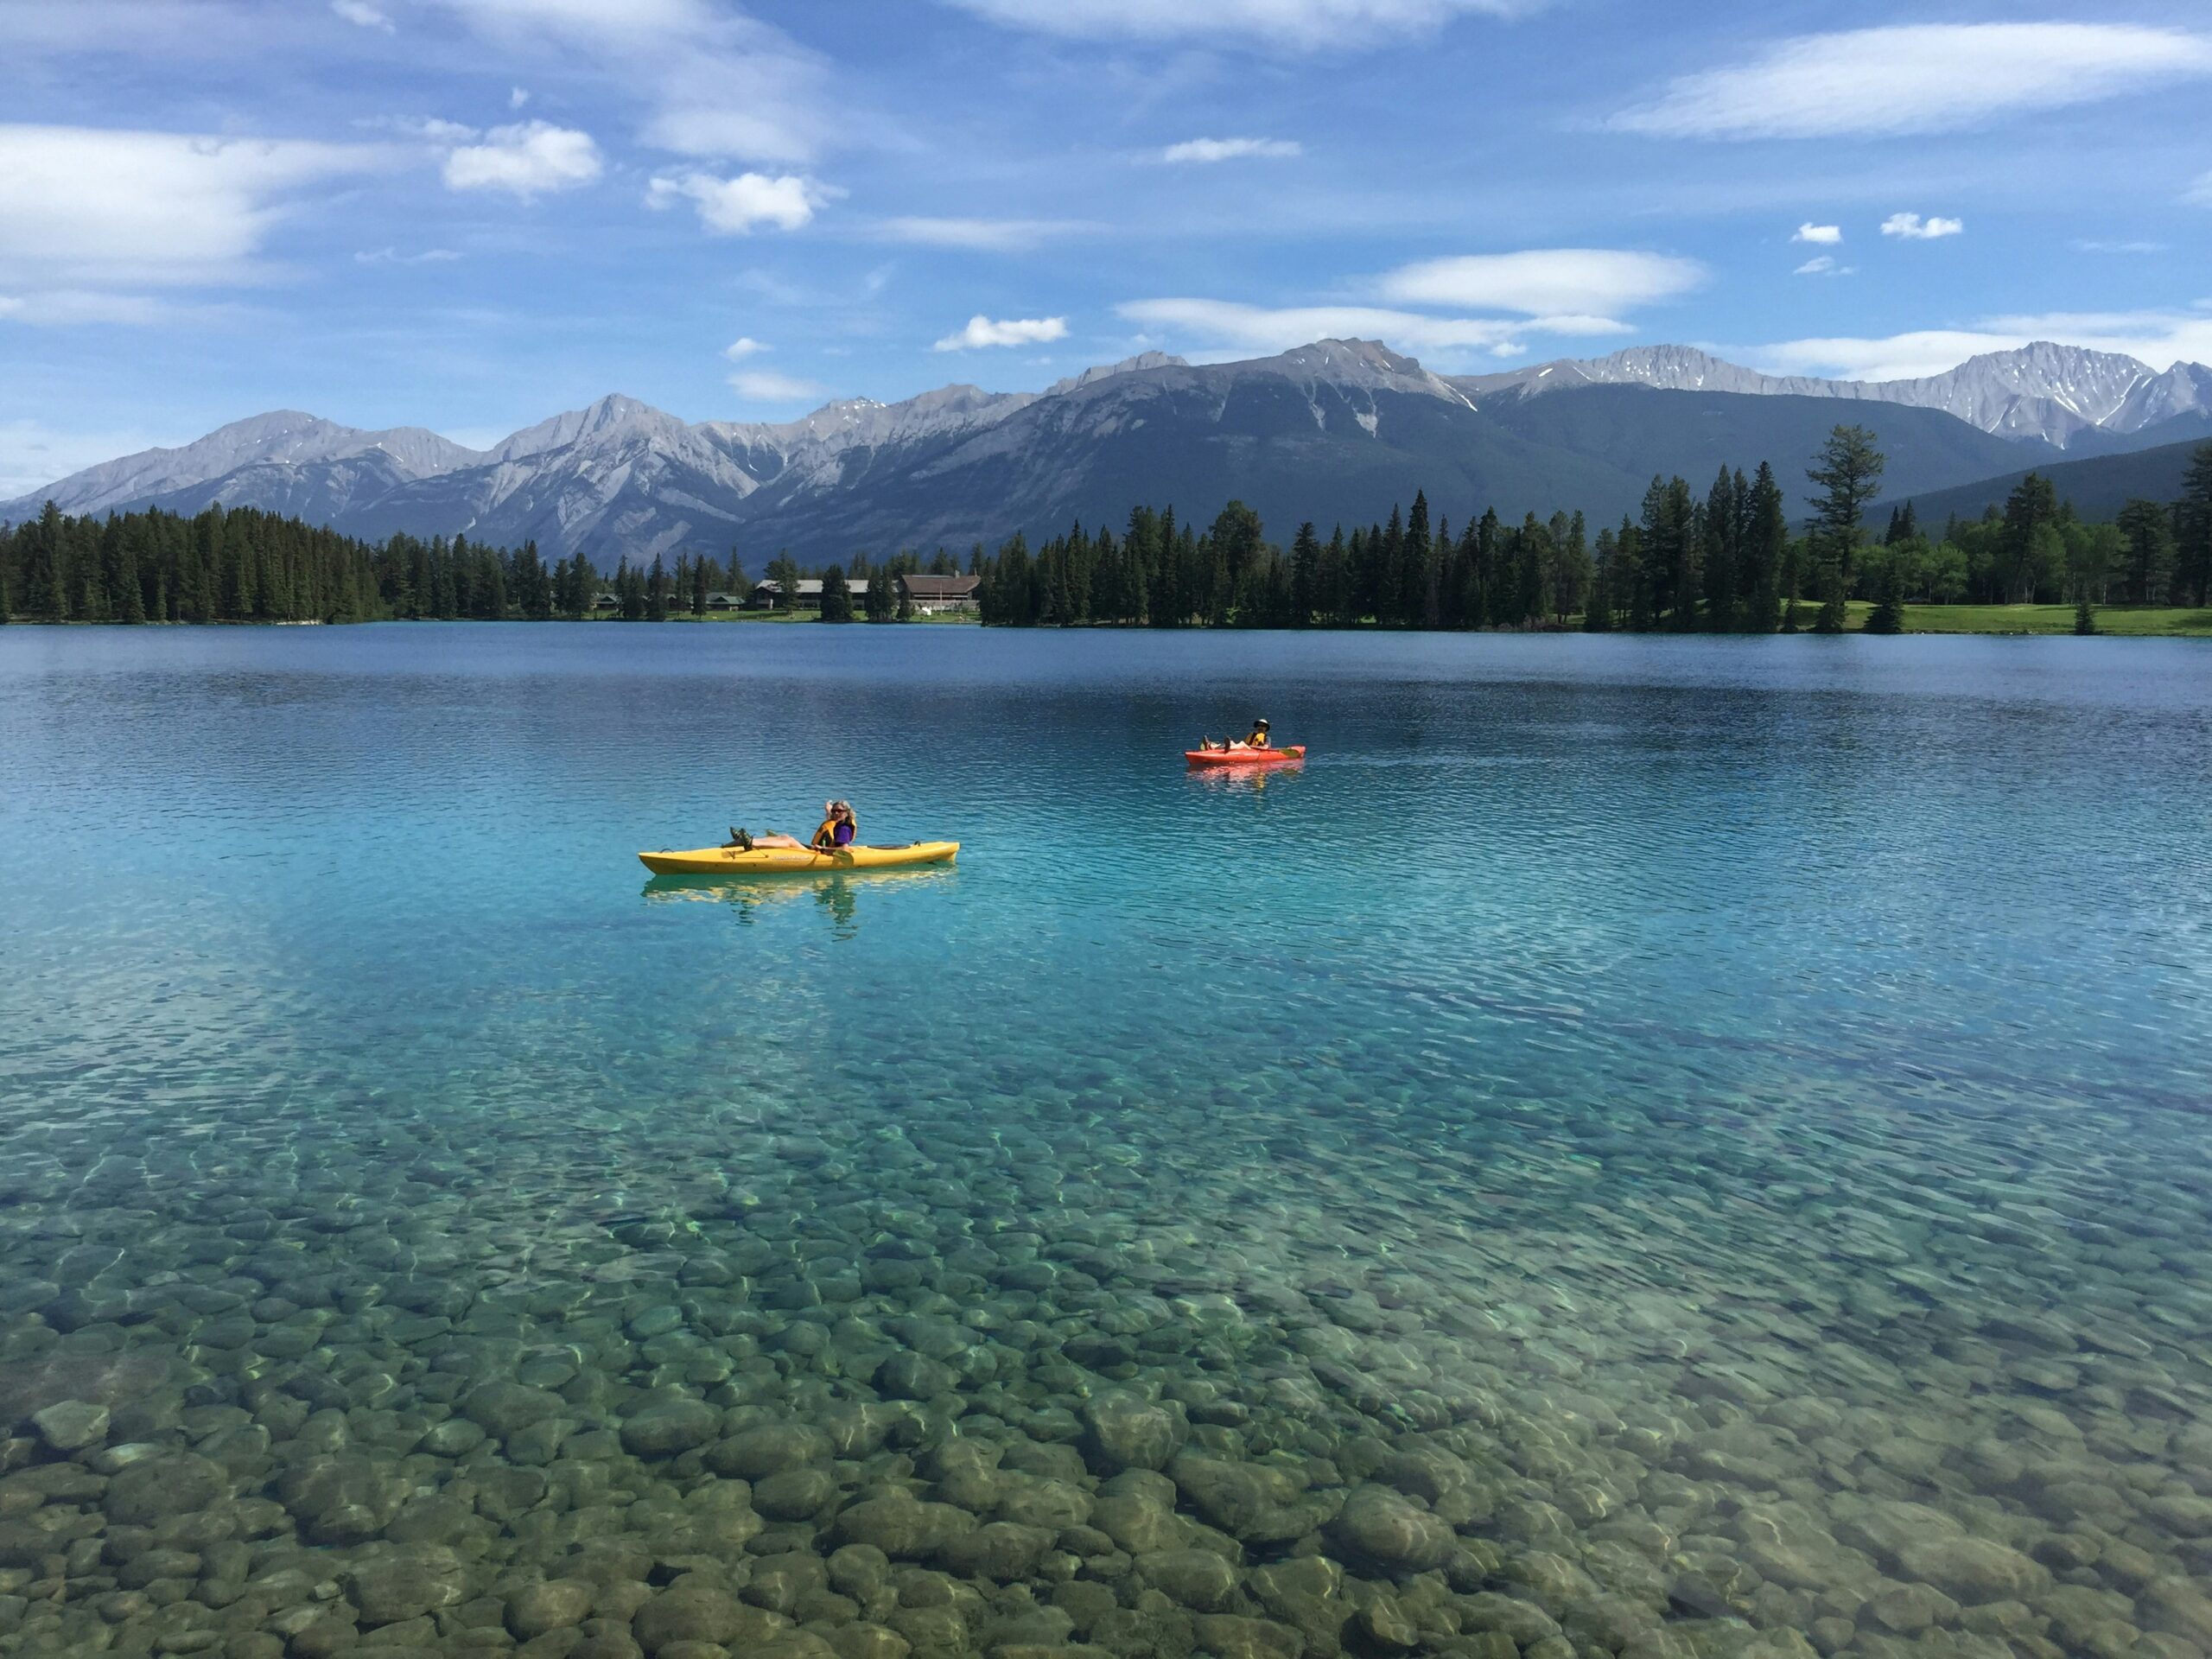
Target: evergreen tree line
[
  {"x": 240, "y": 564},
  {"x": 1727, "y": 561}
]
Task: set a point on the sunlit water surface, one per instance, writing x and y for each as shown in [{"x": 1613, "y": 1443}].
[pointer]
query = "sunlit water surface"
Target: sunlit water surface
[{"x": 1657, "y": 1147}]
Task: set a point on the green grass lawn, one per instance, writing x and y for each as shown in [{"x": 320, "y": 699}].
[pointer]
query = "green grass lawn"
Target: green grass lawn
[
  {"x": 786, "y": 617},
  {"x": 2045, "y": 619}
]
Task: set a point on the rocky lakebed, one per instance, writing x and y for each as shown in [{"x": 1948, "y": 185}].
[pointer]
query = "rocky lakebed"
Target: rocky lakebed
[{"x": 926, "y": 1385}]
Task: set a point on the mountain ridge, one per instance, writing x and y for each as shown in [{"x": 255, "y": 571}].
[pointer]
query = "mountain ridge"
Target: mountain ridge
[
  {"x": 1333, "y": 428},
  {"x": 2040, "y": 390}
]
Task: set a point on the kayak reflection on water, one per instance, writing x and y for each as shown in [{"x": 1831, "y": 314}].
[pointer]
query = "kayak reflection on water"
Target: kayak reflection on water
[
  {"x": 836, "y": 896},
  {"x": 1249, "y": 780}
]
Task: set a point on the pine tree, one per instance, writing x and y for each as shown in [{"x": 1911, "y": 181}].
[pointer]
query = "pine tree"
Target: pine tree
[
  {"x": 2148, "y": 528},
  {"x": 1888, "y": 614},
  {"x": 1848, "y": 470},
  {"x": 1412, "y": 565},
  {"x": 2193, "y": 521},
  {"x": 836, "y": 597},
  {"x": 2024, "y": 546},
  {"x": 2085, "y": 618},
  {"x": 882, "y": 603},
  {"x": 784, "y": 573},
  {"x": 659, "y": 592},
  {"x": 1572, "y": 582},
  {"x": 1764, "y": 549},
  {"x": 1335, "y": 599},
  {"x": 1722, "y": 524},
  {"x": 1389, "y": 559},
  {"x": 1597, "y": 607},
  {"x": 1305, "y": 576}
]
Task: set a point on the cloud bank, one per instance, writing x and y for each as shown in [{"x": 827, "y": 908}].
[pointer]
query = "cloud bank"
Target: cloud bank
[{"x": 1917, "y": 78}]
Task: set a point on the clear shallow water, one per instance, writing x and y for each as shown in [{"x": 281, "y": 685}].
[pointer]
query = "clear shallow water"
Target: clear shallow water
[{"x": 1663, "y": 1147}]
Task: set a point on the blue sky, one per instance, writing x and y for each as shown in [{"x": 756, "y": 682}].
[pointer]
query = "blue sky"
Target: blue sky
[{"x": 468, "y": 214}]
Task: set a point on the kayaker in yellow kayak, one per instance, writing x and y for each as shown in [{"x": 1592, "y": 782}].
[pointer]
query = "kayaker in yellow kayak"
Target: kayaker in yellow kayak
[{"x": 839, "y": 829}]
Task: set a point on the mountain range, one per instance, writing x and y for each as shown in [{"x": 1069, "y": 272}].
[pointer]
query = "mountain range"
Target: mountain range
[{"x": 1335, "y": 431}]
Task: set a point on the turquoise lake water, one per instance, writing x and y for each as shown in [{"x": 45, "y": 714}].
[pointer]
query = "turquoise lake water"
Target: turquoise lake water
[{"x": 1642, "y": 1146}]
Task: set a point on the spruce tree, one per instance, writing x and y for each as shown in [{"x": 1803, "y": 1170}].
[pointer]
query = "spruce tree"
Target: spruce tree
[
  {"x": 836, "y": 597},
  {"x": 2085, "y": 618}
]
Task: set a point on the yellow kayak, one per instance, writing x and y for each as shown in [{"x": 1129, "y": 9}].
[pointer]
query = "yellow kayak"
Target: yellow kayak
[{"x": 796, "y": 860}]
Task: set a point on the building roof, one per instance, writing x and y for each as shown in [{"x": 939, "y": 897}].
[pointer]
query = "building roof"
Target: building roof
[
  {"x": 810, "y": 587},
  {"x": 941, "y": 587}
]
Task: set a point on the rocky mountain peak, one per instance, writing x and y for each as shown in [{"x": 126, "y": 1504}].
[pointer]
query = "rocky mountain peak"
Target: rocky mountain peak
[{"x": 1135, "y": 364}]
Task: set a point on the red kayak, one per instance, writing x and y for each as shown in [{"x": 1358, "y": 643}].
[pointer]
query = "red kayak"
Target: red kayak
[{"x": 1243, "y": 757}]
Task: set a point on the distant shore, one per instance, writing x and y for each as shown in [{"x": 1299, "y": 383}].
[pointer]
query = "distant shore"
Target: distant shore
[{"x": 2134, "y": 622}]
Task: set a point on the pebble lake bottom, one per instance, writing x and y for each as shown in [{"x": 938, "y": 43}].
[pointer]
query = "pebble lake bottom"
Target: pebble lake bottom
[{"x": 1641, "y": 1146}]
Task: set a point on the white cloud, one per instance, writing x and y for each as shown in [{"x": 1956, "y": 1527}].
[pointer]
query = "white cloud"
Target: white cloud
[
  {"x": 989, "y": 235},
  {"x": 2090, "y": 245},
  {"x": 361, "y": 13},
  {"x": 84, "y": 207},
  {"x": 1809, "y": 231},
  {"x": 1299, "y": 24},
  {"x": 2158, "y": 338},
  {"x": 526, "y": 160},
  {"x": 1227, "y": 323},
  {"x": 744, "y": 346},
  {"x": 2199, "y": 194},
  {"x": 767, "y": 386},
  {"x": 733, "y": 207},
  {"x": 1543, "y": 281},
  {"x": 429, "y": 128},
  {"x": 1822, "y": 264},
  {"x": 62, "y": 307},
  {"x": 394, "y": 257},
  {"x": 1013, "y": 331},
  {"x": 714, "y": 82},
  {"x": 1231, "y": 149},
  {"x": 517, "y": 97},
  {"x": 1917, "y": 78},
  {"x": 1913, "y": 228}
]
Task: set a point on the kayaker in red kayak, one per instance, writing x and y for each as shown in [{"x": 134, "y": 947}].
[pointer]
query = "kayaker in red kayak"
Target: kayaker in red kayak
[{"x": 1257, "y": 740}]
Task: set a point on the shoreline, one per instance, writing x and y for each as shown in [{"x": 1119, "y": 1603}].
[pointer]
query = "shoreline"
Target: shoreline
[{"x": 1988, "y": 621}]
